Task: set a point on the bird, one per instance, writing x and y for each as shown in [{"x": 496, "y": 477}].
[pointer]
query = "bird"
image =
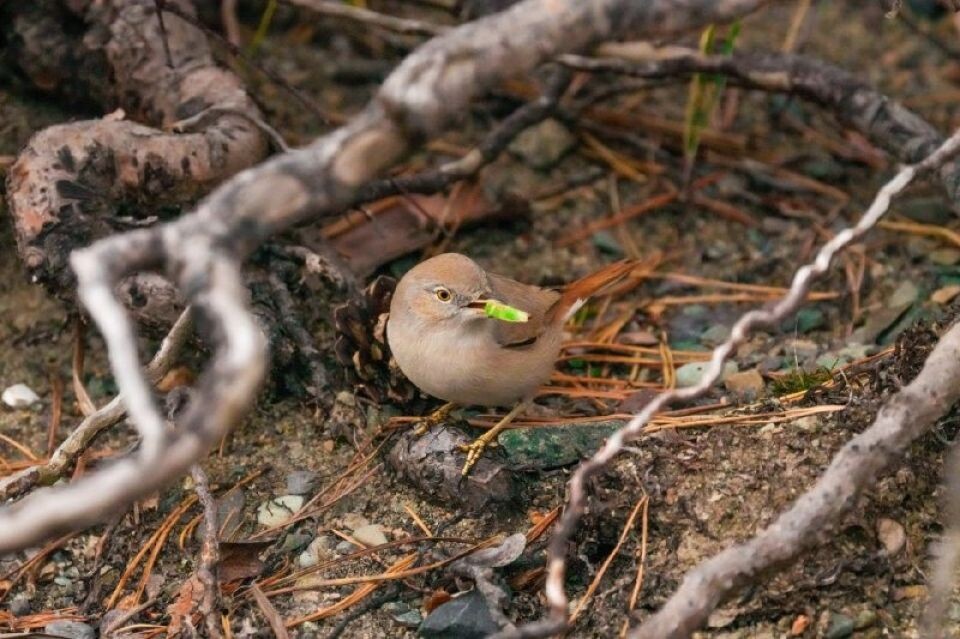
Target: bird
[{"x": 445, "y": 342}]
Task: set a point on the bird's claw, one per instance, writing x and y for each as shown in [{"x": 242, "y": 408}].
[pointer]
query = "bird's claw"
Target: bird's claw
[
  {"x": 433, "y": 419},
  {"x": 474, "y": 450}
]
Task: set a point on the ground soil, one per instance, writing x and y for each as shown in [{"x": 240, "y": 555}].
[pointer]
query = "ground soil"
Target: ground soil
[{"x": 708, "y": 487}]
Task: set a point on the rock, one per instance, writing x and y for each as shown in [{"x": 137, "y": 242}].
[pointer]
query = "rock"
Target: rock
[
  {"x": 20, "y": 605},
  {"x": 544, "y": 448},
  {"x": 799, "y": 625},
  {"x": 905, "y": 294},
  {"x": 892, "y": 535},
  {"x": 20, "y": 396},
  {"x": 800, "y": 351},
  {"x": 70, "y": 630},
  {"x": 927, "y": 210},
  {"x": 320, "y": 549},
  {"x": 354, "y": 520},
  {"x": 840, "y": 626},
  {"x": 295, "y": 541},
  {"x": 301, "y": 482},
  {"x": 916, "y": 591},
  {"x": 370, "y": 535},
  {"x": 433, "y": 465},
  {"x": 716, "y": 334},
  {"x": 274, "y": 512},
  {"x": 865, "y": 619},
  {"x": 409, "y": 619},
  {"x": 606, "y": 242},
  {"x": 945, "y": 294},
  {"x": 465, "y": 617},
  {"x": 723, "y": 617},
  {"x": 544, "y": 145},
  {"x": 691, "y": 374},
  {"x": 945, "y": 256},
  {"x": 345, "y": 547},
  {"x": 746, "y": 383},
  {"x": 396, "y": 607},
  {"x": 806, "y": 320}
]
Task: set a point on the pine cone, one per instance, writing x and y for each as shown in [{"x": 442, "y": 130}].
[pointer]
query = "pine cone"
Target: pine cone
[{"x": 361, "y": 345}]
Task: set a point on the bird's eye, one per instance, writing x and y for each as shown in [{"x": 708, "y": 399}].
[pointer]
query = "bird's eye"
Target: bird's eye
[{"x": 443, "y": 295}]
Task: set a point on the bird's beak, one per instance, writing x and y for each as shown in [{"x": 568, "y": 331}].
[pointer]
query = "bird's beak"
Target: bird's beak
[{"x": 477, "y": 307}]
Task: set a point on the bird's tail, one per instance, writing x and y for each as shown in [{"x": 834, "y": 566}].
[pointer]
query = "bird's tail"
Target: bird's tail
[{"x": 576, "y": 294}]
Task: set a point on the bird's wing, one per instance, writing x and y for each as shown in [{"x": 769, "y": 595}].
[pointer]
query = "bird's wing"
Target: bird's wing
[{"x": 533, "y": 300}]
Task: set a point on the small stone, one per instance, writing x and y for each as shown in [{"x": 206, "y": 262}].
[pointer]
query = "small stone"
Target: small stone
[
  {"x": 953, "y": 614},
  {"x": 20, "y": 396},
  {"x": 370, "y": 535},
  {"x": 328, "y": 445},
  {"x": 691, "y": 374},
  {"x": 746, "y": 383},
  {"x": 905, "y": 294},
  {"x": 927, "y": 210},
  {"x": 345, "y": 547},
  {"x": 916, "y": 591},
  {"x": 409, "y": 619},
  {"x": 295, "y": 541},
  {"x": 606, "y": 242},
  {"x": 354, "y": 520},
  {"x": 543, "y": 145},
  {"x": 716, "y": 334},
  {"x": 865, "y": 619},
  {"x": 807, "y": 319},
  {"x": 320, "y": 549},
  {"x": 301, "y": 482},
  {"x": 554, "y": 447},
  {"x": 20, "y": 605},
  {"x": 70, "y": 629},
  {"x": 945, "y": 256},
  {"x": 892, "y": 535},
  {"x": 800, "y": 351},
  {"x": 396, "y": 607},
  {"x": 464, "y": 617},
  {"x": 840, "y": 626},
  {"x": 945, "y": 295},
  {"x": 274, "y": 512},
  {"x": 799, "y": 625}
]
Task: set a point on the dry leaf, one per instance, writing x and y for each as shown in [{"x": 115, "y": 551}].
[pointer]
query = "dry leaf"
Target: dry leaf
[{"x": 241, "y": 559}]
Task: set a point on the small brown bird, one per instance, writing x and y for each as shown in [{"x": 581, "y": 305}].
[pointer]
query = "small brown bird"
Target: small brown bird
[{"x": 447, "y": 345}]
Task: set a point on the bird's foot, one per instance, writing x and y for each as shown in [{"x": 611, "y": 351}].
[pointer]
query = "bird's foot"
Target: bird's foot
[
  {"x": 475, "y": 449},
  {"x": 433, "y": 419}
]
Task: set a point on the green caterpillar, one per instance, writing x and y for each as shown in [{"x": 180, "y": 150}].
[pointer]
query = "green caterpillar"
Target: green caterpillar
[{"x": 505, "y": 313}]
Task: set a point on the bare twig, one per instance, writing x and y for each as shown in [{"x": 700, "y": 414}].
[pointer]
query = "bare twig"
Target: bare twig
[
  {"x": 684, "y": 613},
  {"x": 334, "y": 9},
  {"x": 111, "y": 413},
  {"x": 209, "y": 555}
]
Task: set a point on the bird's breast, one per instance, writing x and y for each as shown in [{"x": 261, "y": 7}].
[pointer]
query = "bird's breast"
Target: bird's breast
[{"x": 468, "y": 366}]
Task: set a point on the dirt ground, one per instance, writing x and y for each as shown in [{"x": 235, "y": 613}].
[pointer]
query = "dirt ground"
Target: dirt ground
[{"x": 707, "y": 486}]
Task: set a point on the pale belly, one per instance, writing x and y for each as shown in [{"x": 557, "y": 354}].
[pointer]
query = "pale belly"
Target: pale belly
[{"x": 472, "y": 369}]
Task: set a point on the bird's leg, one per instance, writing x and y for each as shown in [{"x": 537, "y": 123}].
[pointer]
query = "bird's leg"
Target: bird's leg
[
  {"x": 434, "y": 418},
  {"x": 475, "y": 448}
]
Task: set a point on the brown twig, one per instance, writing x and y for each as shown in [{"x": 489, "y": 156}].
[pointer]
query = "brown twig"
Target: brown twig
[
  {"x": 333, "y": 9},
  {"x": 209, "y": 555}
]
